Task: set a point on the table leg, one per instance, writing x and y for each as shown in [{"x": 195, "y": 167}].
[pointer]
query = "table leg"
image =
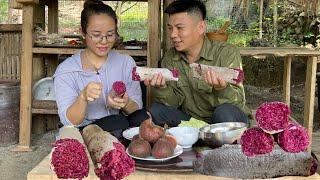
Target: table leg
[
  {"x": 26, "y": 80},
  {"x": 309, "y": 96},
  {"x": 287, "y": 79}
]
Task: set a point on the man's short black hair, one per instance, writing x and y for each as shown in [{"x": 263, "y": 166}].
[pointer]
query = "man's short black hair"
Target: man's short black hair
[{"x": 188, "y": 6}]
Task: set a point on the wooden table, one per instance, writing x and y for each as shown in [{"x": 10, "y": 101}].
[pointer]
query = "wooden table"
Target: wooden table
[
  {"x": 43, "y": 172},
  {"x": 310, "y": 84}
]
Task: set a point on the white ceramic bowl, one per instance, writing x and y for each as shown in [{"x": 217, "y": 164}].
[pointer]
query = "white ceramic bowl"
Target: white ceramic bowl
[{"x": 185, "y": 136}]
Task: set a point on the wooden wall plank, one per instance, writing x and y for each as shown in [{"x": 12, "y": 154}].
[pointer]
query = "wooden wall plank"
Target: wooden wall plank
[
  {"x": 10, "y": 27},
  {"x": 28, "y": 1}
]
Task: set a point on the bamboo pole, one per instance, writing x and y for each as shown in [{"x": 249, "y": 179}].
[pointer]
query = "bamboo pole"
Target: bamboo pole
[
  {"x": 275, "y": 22},
  {"x": 260, "y": 19}
]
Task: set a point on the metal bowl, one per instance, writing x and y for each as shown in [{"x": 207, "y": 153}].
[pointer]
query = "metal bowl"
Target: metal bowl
[
  {"x": 215, "y": 135},
  {"x": 44, "y": 89}
]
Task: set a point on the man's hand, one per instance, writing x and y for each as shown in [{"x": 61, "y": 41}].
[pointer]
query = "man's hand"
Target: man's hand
[
  {"x": 91, "y": 92},
  {"x": 117, "y": 102},
  {"x": 157, "y": 81},
  {"x": 214, "y": 80}
]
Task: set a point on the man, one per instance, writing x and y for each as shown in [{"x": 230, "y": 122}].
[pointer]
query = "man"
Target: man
[{"x": 212, "y": 100}]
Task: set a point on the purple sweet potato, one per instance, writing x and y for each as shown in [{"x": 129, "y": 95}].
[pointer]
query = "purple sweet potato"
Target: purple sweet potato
[
  {"x": 273, "y": 117},
  {"x": 69, "y": 159},
  {"x": 240, "y": 75},
  {"x": 175, "y": 72},
  {"x": 255, "y": 141},
  {"x": 119, "y": 88},
  {"x": 109, "y": 156},
  {"x": 135, "y": 75},
  {"x": 294, "y": 138}
]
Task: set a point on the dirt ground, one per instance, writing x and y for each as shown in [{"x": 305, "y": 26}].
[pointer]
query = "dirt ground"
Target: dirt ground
[{"x": 15, "y": 166}]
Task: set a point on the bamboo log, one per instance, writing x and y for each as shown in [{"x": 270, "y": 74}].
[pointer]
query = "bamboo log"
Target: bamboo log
[
  {"x": 260, "y": 19},
  {"x": 275, "y": 22}
]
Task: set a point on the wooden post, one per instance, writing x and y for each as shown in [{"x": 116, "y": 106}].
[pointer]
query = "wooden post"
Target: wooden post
[
  {"x": 309, "y": 95},
  {"x": 26, "y": 79},
  {"x": 166, "y": 36},
  {"x": 287, "y": 79},
  {"x": 314, "y": 7},
  {"x": 154, "y": 47},
  {"x": 52, "y": 59},
  {"x": 260, "y": 19},
  {"x": 14, "y": 4},
  {"x": 38, "y": 123},
  {"x": 275, "y": 22}
]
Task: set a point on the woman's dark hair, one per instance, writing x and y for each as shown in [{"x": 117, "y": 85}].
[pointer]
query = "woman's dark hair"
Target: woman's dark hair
[
  {"x": 188, "y": 6},
  {"x": 92, "y": 7}
]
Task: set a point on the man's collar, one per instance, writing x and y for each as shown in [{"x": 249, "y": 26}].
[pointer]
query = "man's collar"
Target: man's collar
[{"x": 204, "y": 53}]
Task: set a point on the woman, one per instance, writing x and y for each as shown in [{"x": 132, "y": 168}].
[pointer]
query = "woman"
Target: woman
[{"x": 83, "y": 82}]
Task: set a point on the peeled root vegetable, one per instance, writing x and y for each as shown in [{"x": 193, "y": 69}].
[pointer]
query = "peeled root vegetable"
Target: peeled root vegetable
[
  {"x": 273, "y": 117},
  {"x": 294, "y": 138},
  {"x": 119, "y": 88},
  {"x": 255, "y": 141},
  {"x": 109, "y": 156}
]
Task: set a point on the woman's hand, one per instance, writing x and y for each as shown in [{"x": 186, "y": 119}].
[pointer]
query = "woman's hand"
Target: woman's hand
[
  {"x": 214, "y": 80},
  {"x": 117, "y": 102},
  {"x": 157, "y": 81},
  {"x": 91, "y": 92}
]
